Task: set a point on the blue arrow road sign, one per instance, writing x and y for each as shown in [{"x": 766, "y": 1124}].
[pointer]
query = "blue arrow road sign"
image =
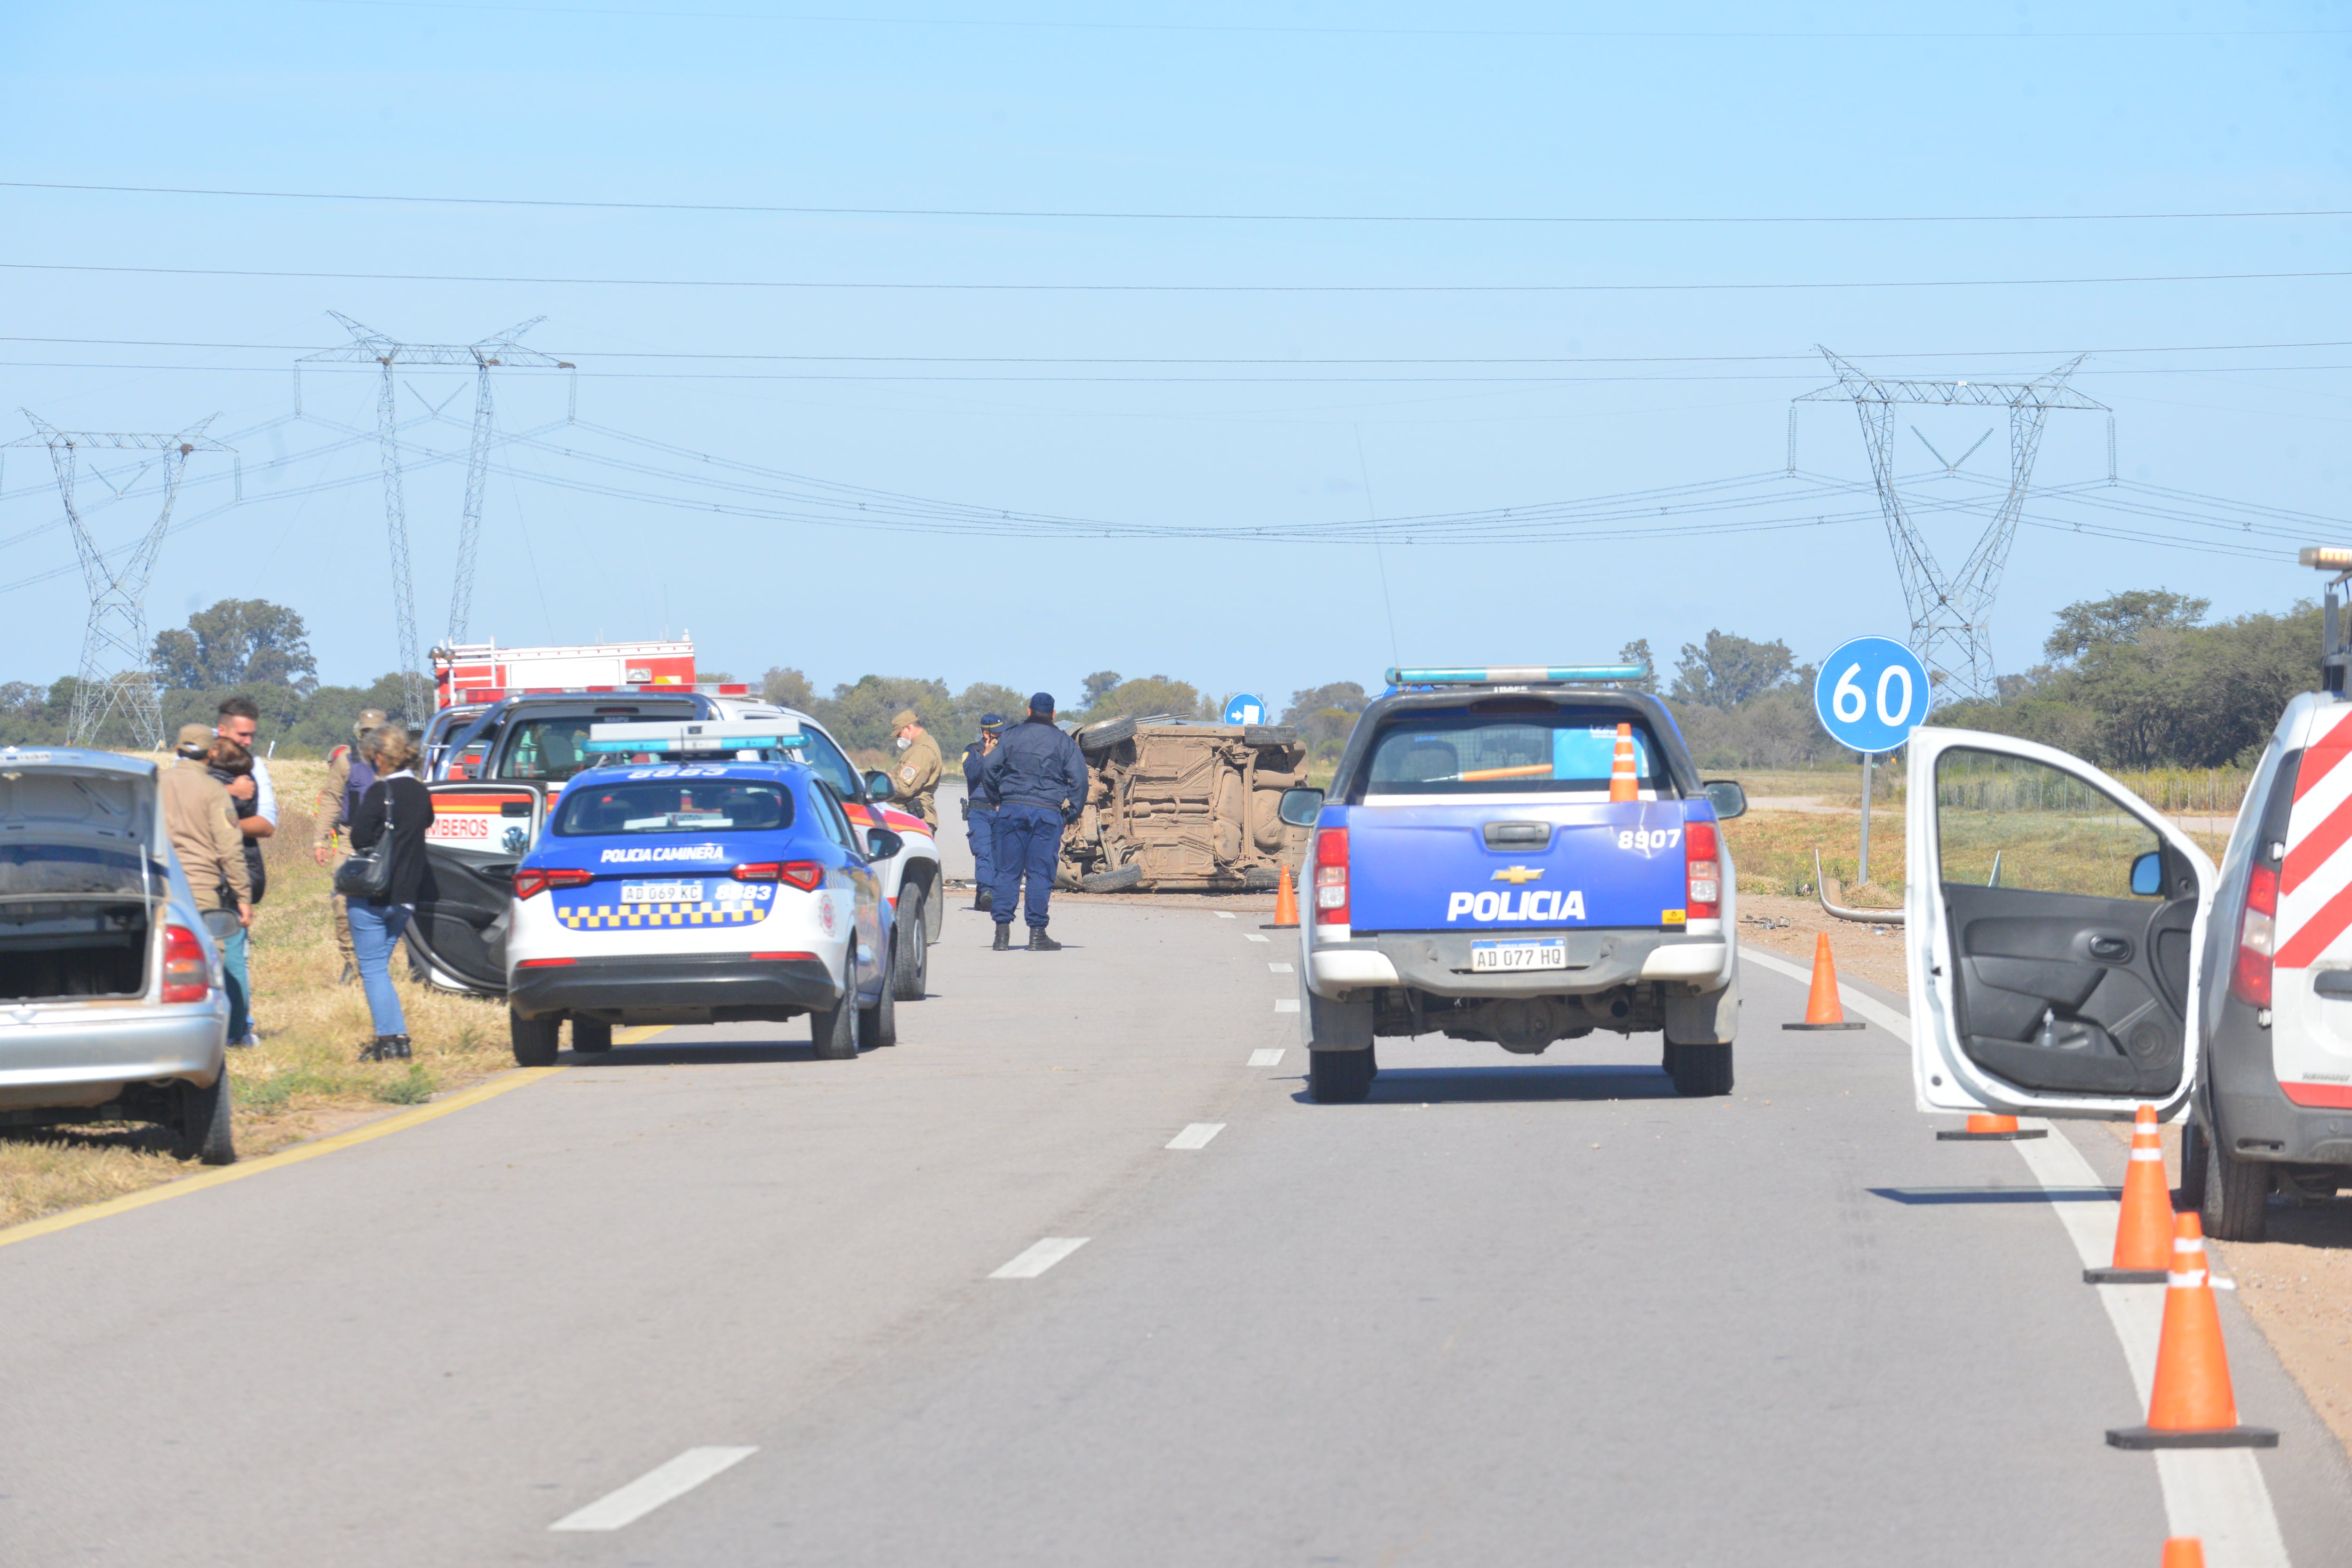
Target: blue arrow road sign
[
  {"x": 1871, "y": 694},
  {"x": 1244, "y": 708}
]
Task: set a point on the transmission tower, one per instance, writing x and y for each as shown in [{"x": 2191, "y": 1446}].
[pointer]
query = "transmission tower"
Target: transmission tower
[
  {"x": 116, "y": 673},
  {"x": 1951, "y": 614},
  {"x": 499, "y": 349}
]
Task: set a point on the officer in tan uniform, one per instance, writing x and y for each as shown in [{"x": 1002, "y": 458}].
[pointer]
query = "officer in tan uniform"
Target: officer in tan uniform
[
  {"x": 920, "y": 766},
  {"x": 335, "y": 804},
  {"x": 202, "y": 823}
]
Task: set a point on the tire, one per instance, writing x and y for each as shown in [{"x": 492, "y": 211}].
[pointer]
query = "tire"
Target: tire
[
  {"x": 2191, "y": 1193},
  {"x": 1117, "y": 882},
  {"x": 1700, "y": 1071},
  {"x": 1340, "y": 1078},
  {"x": 910, "y": 953},
  {"x": 877, "y": 1026},
  {"x": 2237, "y": 1194},
  {"x": 1097, "y": 739},
  {"x": 536, "y": 1040},
  {"x": 203, "y": 1121},
  {"x": 591, "y": 1036},
  {"x": 834, "y": 1030},
  {"x": 1269, "y": 735}
]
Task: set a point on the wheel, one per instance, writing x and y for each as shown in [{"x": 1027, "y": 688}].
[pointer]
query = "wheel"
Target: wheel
[
  {"x": 2237, "y": 1194},
  {"x": 910, "y": 953},
  {"x": 1340, "y": 1078},
  {"x": 1700, "y": 1071},
  {"x": 1269, "y": 735},
  {"x": 1097, "y": 739},
  {"x": 1115, "y": 881},
  {"x": 834, "y": 1030},
  {"x": 2191, "y": 1194},
  {"x": 877, "y": 1026},
  {"x": 535, "y": 1039},
  {"x": 203, "y": 1121},
  {"x": 591, "y": 1036}
]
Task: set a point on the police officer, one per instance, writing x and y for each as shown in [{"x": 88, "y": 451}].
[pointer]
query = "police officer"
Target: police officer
[
  {"x": 918, "y": 770},
  {"x": 348, "y": 778},
  {"x": 979, "y": 812},
  {"x": 1036, "y": 778}
]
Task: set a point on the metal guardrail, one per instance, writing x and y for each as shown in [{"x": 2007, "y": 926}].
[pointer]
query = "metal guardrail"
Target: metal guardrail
[{"x": 1860, "y": 917}]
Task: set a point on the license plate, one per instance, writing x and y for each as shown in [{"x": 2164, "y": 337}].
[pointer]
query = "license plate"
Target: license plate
[
  {"x": 662, "y": 893},
  {"x": 1493, "y": 956}
]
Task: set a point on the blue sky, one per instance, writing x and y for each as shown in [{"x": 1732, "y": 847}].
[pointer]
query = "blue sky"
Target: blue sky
[{"x": 977, "y": 397}]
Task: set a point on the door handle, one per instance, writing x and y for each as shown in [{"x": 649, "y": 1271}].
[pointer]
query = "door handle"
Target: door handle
[{"x": 2110, "y": 949}]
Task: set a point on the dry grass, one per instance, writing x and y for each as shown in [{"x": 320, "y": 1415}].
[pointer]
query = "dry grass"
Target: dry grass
[{"x": 305, "y": 1078}]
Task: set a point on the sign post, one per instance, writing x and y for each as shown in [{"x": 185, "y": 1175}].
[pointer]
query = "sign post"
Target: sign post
[{"x": 1871, "y": 693}]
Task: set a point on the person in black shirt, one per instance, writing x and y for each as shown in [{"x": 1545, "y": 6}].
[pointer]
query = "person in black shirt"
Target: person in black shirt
[{"x": 395, "y": 811}]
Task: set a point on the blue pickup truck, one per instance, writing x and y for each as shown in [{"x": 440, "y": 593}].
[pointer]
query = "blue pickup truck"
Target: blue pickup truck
[{"x": 1520, "y": 856}]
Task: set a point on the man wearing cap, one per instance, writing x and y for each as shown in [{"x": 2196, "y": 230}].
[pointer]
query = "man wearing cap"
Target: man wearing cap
[
  {"x": 979, "y": 812},
  {"x": 348, "y": 778},
  {"x": 202, "y": 823},
  {"x": 919, "y": 767},
  {"x": 1036, "y": 778}
]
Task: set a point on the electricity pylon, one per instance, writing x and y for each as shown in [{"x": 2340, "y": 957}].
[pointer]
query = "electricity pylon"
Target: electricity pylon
[
  {"x": 116, "y": 673},
  {"x": 499, "y": 349},
  {"x": 1951, "y": 614}
]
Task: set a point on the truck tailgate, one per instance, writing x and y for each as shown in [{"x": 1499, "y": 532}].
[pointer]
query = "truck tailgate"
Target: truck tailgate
[{"x": 1430, "y": 867}]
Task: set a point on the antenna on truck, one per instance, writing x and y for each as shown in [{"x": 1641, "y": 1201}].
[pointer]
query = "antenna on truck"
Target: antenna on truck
[{"x": 2334, "y": 658}]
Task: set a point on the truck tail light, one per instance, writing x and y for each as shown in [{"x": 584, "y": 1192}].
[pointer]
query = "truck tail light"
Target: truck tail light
[
  {"x": 1703, "y": 873},
  {"x": 805, "y": 875},
  {"x": 187, "y": 976},
  {"x": 1331, "y": 877},
  {"x": 529, "y": 882},
  {"x": 2249, "y": 976}
]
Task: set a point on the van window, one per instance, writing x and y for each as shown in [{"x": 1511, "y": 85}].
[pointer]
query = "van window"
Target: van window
[
  {"x": 831, "y": 766},
  {"x": 1564, "y": 751}
]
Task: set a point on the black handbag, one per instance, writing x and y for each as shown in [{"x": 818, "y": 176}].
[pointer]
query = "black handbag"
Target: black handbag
[{"x": 367, "y": 874}]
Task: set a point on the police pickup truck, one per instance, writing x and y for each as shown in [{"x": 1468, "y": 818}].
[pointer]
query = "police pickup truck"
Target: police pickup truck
[{"x": 1520, "y": 856}]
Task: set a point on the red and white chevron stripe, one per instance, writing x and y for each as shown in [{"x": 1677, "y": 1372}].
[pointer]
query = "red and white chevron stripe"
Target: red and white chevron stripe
[{"x": 2314, "y": 912}]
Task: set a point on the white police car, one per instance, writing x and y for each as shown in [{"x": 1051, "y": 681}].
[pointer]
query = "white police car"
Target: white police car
[{"x": 699, "y": 877}]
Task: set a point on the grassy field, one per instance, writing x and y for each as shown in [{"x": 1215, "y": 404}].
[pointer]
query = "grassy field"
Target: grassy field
[{"x": 305, "y": 1078}]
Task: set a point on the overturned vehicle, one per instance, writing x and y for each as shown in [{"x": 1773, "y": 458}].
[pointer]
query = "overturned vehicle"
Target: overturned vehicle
[{"x": 1183, "y": 807}]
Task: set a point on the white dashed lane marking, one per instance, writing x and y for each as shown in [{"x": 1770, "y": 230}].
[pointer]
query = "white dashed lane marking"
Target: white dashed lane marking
[
  {"x": 1254, "y": 937},
  {"x": 1223, "y": 914},
  {"x": 1285, "y": 1004},
  {"x": 1197, "y": 1135},
  {"x": 1039, "y": 1257},
  {"x": 1280, "y": 968},
  {"x": 657, "y": 1486},
  {"x": 1271, "y": 1056}
]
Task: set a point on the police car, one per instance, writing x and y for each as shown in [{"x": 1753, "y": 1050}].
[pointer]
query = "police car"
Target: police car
[
  {"x": 698, "y": 874},
  {"x": 1519, "y": 855}
]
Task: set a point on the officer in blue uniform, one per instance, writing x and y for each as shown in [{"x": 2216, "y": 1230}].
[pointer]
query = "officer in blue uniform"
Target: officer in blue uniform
[
  {"x": 1036, "y": 779},
  {"x": 980, "y": 813}
]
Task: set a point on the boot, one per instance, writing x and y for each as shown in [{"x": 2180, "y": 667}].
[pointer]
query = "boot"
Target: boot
[
  {"x": 1040, "y": 942},
  {"x": 1003, "y": 937},
  {"x": 983, "y": 900},
  {"x": 377, "y": 1050},
  {"x": 399, "y": 1048}
]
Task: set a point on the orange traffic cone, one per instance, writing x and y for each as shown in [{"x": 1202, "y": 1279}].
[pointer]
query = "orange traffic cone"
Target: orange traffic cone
[
  {"x": 1625, "y": 777},
  {"x": 2191, "y": 1405},
  {"x": 1993, "y": 1130},
  {"x": 2184, "y": 1551},
  {"x": 1286, "y": 903},
  {"x": 1822, "y": 1009},
  {"x": 2144, "y": 1233}
]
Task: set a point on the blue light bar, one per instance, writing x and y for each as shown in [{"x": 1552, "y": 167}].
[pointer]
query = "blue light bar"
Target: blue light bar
[{"x": 1520, "y": 675}]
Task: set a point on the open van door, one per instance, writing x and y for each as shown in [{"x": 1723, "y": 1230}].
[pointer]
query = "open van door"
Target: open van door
[
  {"x": 2054, "y": 922},
  {"x": 480, "y": 831}
]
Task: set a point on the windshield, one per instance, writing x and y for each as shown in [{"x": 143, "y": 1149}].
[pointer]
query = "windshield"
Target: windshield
[
  {"x": 673, "y": 805},
  {"x": 1558, "y": 752},
  {"x": 553, "y": 747}
]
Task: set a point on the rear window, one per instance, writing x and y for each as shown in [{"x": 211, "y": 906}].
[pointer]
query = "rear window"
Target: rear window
[
  {"x": 673, "y": 805},
  {"x": 58, "y": 869},
  {"x": 1559, "y": 753}
]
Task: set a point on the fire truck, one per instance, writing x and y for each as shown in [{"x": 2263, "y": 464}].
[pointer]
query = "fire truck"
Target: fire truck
[{"x": 478, "y": 673}]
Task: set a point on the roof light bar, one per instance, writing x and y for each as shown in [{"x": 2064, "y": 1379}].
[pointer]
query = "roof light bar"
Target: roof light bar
[
  {"x": 2326, "y": 557},
  {"x": 1520, "y": 675},
  {"x": 717, "y": 735}
]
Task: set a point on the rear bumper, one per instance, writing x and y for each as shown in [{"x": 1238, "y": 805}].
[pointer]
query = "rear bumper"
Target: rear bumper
[
  {"x": 714, "y": 988},
  {"x": 1438, "y": 963},
  {"x": 2252, "y": 1115},
  {"x": 85, "y": 1053}
]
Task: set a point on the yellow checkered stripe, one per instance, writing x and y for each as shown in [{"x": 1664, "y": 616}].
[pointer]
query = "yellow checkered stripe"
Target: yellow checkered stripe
[{"x": 627, "y": 917}]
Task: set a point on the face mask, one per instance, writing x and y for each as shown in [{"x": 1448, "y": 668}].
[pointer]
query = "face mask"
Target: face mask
[{"x": 905, "y": 741}]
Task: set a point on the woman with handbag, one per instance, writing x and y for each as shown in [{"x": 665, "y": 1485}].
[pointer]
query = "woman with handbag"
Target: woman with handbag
[{"x": 385, "y": 878}]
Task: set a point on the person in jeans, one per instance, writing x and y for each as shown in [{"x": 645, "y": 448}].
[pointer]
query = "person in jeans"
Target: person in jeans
[
  {"x": 229, "y": 764},
  {"x": 393, "y": 815},
  {"x": 211, "y": 851},
  {"x": 237, "y": 721}
]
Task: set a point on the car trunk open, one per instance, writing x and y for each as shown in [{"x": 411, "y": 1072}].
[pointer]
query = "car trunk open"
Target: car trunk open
[{"x": 79, "y": 890}]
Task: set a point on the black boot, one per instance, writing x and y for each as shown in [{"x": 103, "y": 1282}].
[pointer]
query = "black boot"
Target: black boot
[
  {"x": 1003, "y": 937},
  {"x": 984, "y": 899},
  {"x": 399, "y": 1048},
  {"x": 1039, "y": 942},
  {"x": 377, "y": 1050}
]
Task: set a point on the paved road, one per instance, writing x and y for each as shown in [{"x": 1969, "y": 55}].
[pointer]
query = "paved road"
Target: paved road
[{"x": 1505, "y": 1313}]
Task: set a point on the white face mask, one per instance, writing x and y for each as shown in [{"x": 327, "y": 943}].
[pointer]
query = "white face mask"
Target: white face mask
[{"x": 905, "y": 741}]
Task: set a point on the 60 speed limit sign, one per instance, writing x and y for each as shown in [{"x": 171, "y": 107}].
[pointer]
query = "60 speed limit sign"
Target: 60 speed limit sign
[{"x": 1871, "y": 694}]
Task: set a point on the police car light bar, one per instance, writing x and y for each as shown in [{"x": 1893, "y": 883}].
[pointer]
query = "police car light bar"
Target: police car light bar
[
  {"x": 1518, "y": 674},
  {"x": 2326, "y": 557},
  {"x": 717, "y": 735}
]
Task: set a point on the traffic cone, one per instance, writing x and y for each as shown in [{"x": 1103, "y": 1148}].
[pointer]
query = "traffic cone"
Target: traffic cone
[
  {"x": 2184, "y": 1551},
  {"x": 1625, "y": 777},
  {"x": 2191, "y": 1405},
  {"x": 1984, "y": 1129},
  {"x": 1822, "y": 1009},
  {"x": 2144, "y": 1233},
  {"x": 1286, "y": 903}
]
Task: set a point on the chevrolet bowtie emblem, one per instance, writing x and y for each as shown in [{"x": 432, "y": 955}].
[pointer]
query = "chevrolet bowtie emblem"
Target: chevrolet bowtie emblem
[{"x": 1517, "y": 875}]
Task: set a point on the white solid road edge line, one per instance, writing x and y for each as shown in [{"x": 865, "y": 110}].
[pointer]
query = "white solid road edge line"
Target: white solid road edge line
[
  {"x": 1039, "y": 1257},
  {"x": 1196, "y": 1135},
  {"x": 2216, "y": 1494},
  {"x": 1266, "y": 1057},
  {"x": 662, "y": 1484}
]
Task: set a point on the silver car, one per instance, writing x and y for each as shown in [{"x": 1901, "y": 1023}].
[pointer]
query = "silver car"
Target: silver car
[{"x": 113, "y": 1006}]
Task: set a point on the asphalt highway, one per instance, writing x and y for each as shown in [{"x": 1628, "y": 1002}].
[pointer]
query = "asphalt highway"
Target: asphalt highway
[{"x": 1513, "y": 1310}]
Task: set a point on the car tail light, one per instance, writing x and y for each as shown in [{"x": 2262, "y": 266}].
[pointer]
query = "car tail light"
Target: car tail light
[
  {"x": 1331, "y": 877},
  {"x": 2249, "y": 976},
  {"x": 1703, "y": 873},
  {"x": 187, "y": 976},
  {"x": 805, "y": 875},
  {"x": 535, "y": 880}
]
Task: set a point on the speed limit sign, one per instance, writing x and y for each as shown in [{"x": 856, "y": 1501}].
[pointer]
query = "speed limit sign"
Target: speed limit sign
[{"x": 1871, "y": 694}]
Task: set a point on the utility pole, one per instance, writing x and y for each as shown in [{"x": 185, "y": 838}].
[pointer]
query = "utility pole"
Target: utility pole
[{"x": 116, "y": 673}]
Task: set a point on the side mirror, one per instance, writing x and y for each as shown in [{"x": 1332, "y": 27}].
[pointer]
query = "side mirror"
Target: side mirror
[
  {"x": 2147, "y": 875},
  {"x": 1727, "y": 797},
  {"x": 1300, "y": 807},
  {"x": 881, "y": 844},
  {"x": 878, "y": 784}
]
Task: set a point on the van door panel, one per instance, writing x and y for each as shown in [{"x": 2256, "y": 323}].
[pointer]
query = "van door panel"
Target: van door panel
[{"x": 480, "y": 831}]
